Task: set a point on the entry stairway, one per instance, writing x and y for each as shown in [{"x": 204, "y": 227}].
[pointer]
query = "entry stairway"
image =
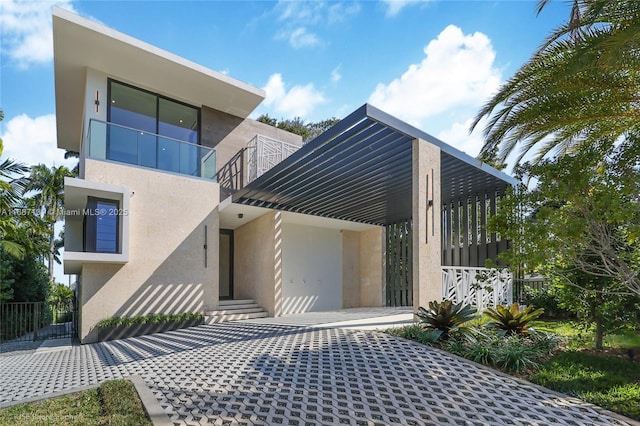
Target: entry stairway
[{"x": 234, "y": 310}]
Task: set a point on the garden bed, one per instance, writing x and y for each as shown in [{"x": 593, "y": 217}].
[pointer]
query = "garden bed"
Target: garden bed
[{"x": 123, "y": 327}]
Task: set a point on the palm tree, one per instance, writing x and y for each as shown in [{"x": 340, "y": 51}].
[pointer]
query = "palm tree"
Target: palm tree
[
  {"x": 10, "y": 187},
  {"x": 47, "y": 184},
  {"x": 580, "y": 87}
]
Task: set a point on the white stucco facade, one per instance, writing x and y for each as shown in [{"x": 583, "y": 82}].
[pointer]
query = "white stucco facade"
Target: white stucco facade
[{"x": 311, "y": 268}]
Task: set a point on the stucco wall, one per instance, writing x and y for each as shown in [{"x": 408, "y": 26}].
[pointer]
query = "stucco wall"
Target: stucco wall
[
  {"x": 350, "y": 269},
  {"x": 427, "y": 252},
  {"x": 311, "y": 268},
  {"x": 363, "y": 269},
  {"x": 228, "y": 134},
  {"x": 166, "y": 271},
  {"x": 372, "y": 267},
  {"x": 257, "y": 262}
]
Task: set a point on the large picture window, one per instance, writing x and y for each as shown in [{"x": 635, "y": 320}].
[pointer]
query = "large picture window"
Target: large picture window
[
  {"x": 159, "y": 123},
  {"x": 101, "y": 224}
]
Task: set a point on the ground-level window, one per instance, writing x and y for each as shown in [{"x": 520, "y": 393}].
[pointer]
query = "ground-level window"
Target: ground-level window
[{"x": 101, "y": 223}]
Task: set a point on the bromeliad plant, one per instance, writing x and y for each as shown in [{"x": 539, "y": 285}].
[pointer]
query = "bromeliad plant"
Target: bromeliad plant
[
  {"x": 443, "y": 318},
  {"x": 512, "y": 319}
]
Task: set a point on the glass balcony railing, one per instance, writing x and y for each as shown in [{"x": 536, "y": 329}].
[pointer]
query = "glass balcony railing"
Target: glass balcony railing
[{"x": 110, "y": 141}]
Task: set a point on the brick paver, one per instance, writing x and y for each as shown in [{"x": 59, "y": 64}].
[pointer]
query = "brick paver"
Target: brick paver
[{"x": 273, "y": 373}]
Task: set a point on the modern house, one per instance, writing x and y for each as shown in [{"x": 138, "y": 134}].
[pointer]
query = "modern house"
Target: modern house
[{"x": 184, "y": 203}]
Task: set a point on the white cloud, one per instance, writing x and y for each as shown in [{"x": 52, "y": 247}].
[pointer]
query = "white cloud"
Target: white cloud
[
  {"x": 458, "y": 136},
  {"x": 300, "y": 37},
  {"x": 338, "y": 12},
  {"x": 26, "y": 29},
  {"x": 33, "y": 140},
  {"x": 395, "y": 6},
  {"x": 298, "y": 101},
  {"x": 300, "y": 12},
  {"x": 335, "y": 74},
  {"x": 297, "y": 19},
  {"x": 456, "y": 72}
]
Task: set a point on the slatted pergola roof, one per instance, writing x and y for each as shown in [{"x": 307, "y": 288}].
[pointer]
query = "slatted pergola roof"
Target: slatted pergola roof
[{"x": 361, "y": 170}]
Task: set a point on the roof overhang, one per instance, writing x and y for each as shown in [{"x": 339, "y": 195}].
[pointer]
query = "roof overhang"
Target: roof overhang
[
  {"x": 79, "y": 43},
  {"x": 361, "y": 170}
]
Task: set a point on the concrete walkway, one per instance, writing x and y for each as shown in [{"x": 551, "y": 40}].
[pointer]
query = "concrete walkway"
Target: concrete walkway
[{"x": 328, "y": 371}]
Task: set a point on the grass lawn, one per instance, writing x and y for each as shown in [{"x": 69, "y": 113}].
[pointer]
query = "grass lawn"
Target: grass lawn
[
  {"x": 606, "y": 378},
  {"x": 602, "y": 380},
  {"x": 115, "y": 402},
  {"x": 581, "y": 337}
]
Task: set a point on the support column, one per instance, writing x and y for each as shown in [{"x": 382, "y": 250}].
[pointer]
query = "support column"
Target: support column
[{"x": 427, "y": 232}]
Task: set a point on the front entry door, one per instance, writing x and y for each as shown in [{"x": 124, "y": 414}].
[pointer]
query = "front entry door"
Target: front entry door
[{"x": 226, "y": 264}]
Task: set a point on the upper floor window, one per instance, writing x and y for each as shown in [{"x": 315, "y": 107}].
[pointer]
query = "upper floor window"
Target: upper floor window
[
  {"x": 159, "y": 121},
  {"x": 101, "y": 224}
]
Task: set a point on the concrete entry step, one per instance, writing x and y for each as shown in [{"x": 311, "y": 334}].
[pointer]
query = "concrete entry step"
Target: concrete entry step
[
  {"x": 214, "y": 319},
  {"x": 233, "y": 307},
  {"x": 246, "y": 309},
  {"x": 234, "y": 310},
  {"x": 236, "y": 302}
]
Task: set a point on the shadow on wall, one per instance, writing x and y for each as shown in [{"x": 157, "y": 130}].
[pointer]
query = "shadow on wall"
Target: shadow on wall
[
  {"x": 181, "y": 283},
  {"x": 298, "y": 304}
]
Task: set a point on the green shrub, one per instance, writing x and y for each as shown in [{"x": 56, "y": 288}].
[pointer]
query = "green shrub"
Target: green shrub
[
  {"x": 513, "y": 320},
  {"x": 443, "y": 318},
  {"x": 412, "y": 332},
  {"x": 148, "y": 319},
  {"x": 517, "y": 354},
  {"x": 547, "y": 298},
  {"x": 509, "y": 352}
]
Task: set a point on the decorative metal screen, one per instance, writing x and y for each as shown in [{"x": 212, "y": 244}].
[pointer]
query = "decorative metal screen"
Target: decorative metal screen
[
  {"x": 478, "y": 287},
  {"x": 263, "y": 153},
  {"x": 399, "y": 261}
]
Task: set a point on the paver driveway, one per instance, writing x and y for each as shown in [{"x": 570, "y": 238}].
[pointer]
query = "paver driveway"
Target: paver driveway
[{"x": 269, "y": 372}]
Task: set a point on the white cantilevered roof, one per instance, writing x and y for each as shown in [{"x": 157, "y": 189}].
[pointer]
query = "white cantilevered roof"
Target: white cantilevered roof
[{"x": 79, "y": 43}]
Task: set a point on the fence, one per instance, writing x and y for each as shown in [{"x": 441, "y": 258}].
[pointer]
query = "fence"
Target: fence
[
  {"x": 478, "y": 287},
  {"x": 521, "y": 285},
  {"x": 30, "y": 321}
]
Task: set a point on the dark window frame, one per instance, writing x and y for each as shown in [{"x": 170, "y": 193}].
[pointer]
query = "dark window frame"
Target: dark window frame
[
  {"x": 158, "y": 97},
  {"x": 231, "y": 260},
  {"x": 90, "y": 225}
]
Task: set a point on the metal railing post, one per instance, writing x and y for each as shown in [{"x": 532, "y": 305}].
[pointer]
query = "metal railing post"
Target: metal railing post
[{"x": 36, "y": 320}]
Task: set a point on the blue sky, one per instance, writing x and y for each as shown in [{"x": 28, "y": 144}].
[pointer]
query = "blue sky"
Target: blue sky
[{"x": 431, "y": 63}]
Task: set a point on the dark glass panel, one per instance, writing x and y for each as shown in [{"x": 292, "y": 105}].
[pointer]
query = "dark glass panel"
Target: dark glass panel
[
  {"x": 106, "y": 227},
  {"x": 135, "y": 109},
  {"x": 178, "y": 121}
]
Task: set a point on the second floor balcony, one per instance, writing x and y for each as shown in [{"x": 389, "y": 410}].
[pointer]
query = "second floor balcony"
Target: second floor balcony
[
  {"x": 258, "y": 157},
  {"x": 114, "y": 142}
]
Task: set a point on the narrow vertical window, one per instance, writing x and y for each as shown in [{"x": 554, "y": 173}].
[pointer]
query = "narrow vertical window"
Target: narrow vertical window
[{"x": 101, "y": 226}]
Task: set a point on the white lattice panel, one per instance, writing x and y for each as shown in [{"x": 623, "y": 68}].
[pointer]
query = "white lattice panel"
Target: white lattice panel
[
  {"x": 478, "y": 287},
  {"x": 264, "y": 153}
]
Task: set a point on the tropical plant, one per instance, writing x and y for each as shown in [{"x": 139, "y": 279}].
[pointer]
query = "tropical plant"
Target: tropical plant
[
  {"x": 512, "y": 319},
  {"x": 10, "y": 188},
  {"x": 580, "y": 87},
  {"x": 582, "y": 216},
  {"x": 61, "y": 297},
  {"x": 516, "y": 353},
  {"x": 443, "y": 318},
  {"x": 47, "y": 188}
]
